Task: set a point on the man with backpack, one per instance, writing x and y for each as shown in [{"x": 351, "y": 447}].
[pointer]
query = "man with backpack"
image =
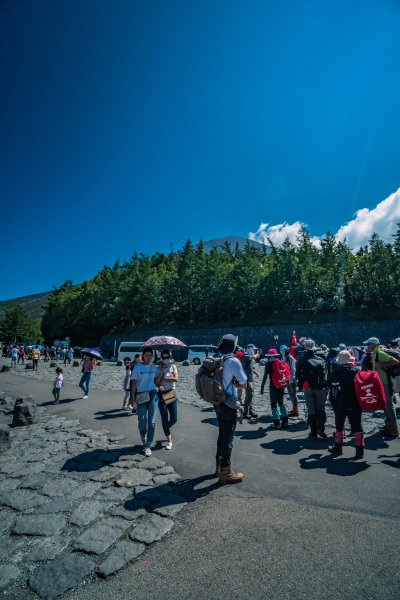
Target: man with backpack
[
  {"x": 382, "y": 363},
  {"x": 248, "y": 363},
  {"x": 310, "y": 373},
  {"x": 217, "y": 382}
]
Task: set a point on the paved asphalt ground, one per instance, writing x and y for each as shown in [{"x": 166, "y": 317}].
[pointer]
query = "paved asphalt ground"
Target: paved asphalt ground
[{"x": 301, "y": 525}]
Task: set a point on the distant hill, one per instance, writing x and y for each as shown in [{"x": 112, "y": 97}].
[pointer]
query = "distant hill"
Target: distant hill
[
  {"x": 32, "y": 304},
  {"x": 232, "y": 240}
]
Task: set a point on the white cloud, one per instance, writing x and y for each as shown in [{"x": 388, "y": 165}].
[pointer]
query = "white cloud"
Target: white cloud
[{"x": 381, "y": 220}]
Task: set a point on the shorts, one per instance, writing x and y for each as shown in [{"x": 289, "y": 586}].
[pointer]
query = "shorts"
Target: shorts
[{"x": 56, "y": 391}]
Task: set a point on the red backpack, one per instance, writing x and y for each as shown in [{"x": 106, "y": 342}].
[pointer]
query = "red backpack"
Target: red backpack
[
  {"x": 280, "y": 374},
  {"x": 369, "y": 391}
]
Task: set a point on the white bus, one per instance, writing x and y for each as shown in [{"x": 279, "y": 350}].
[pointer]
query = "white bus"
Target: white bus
[{"x": 129, "y": 349}]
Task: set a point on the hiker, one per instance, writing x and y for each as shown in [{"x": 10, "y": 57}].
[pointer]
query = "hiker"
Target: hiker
[
  {"x": 380, "y": 362},
  {"x": 345, "y": 404},
  {"x": 279, "y": 413},
  {"x": 14, "y": 356},
  {"x": 292, "y": 386},
  {"x": 35, "y": 358},
  {"x": 57, "y": 385},
  {"x": 310, "y": 373},
  {"x": 166, "y": 380},
  {"x": 248, "y": 364},
  {"x": 394, "y": 345},
  {"x": 68, "y": 356},
  {"x": 87, "y": 368},
  {"x": 127, "y": 384},
  {"x": 233, "y": 378},
  {"x": 21, "y": 354},
  {"x": 144, "y": 387}
]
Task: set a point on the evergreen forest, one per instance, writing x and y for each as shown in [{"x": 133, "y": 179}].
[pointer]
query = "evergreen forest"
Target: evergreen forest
[{"x": 252, "y": 285}]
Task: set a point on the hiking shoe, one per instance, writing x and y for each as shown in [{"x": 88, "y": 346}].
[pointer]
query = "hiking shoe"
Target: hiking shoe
[
  {"x": 359, "y": 452},
  {"x": 322, "y": 435},
  {"x": 285, "y": 425},
  {"x": 85, "y": 397},
  {"x": 228, "y": 476},
  {"x": 336, "y": 449},
  {"x": 147, "y": 452},
  {"x": 253, "y": 414},
  {"x": 168, "y": 446},
  {"x": 294, "y": 413}
]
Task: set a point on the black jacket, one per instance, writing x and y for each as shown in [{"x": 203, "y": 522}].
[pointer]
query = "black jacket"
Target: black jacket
[{"x": 341, "y": 383}]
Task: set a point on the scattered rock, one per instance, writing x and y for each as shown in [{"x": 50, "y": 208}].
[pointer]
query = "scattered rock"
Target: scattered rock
[
  {"x": 48, "y": 548},
  {"x": 7, "y": 574},
  {"x": 56, "y": 505},
  {"x": 133, "y": 477},
  {"x": 5, "y": 369},
  {"x": 169, "y": 506},
  {"x": 52, "y": 364},
  {"x": 152, "y": 463},
  {"x": 75, "y": 363},
  {"x": 116, "y": 438},
  {"x": 98, "y": 538},
  {"x": 151, "y": 528},
  {"x": 122, "y": 554},
  {"x": 66, "y": 571},
  {"x": 170, "y": 478},
  {"x": 22, "y": 500},
  {"x": 132, "y": 509},
  {"x": 24, "y": 411},
  {"x": 39, "y": 525},
  {"x": 5, "y": 443},
  {"x": 87, "y": 512},
  {"x": 115, "y": 494},
  {"x": 185, "y": 363},
  {"x": 152, "y": 494},
  {"x": 28, "y": 366}
]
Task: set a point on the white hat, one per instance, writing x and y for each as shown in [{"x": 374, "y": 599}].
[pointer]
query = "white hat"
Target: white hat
[
  {"x": 372, "y": 340},
  {"x": 309, "y": 345}
]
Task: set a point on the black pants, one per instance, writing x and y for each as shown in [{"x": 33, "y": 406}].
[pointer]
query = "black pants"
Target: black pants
[
  {"x": 227, "y": 419},
  {"x": 345, "y": 407}
]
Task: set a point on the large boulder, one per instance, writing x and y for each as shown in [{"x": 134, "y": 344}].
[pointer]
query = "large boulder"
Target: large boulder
[
  {"x": 25, "y": 412},
  {"x": 185, "y": 363},
  {"x": 75, "y": 363},
  {"x": 5, "y": 368},
  {"x": 5, "y": 443},
  {"x": 28, "y": 366},
  {"x": 53, "y": 364}
]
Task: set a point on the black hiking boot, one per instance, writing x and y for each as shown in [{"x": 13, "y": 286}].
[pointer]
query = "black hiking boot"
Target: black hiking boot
[{"x": 336, "y": 449}]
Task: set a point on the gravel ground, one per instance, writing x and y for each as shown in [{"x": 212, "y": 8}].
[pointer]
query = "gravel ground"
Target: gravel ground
[{"x": 108, "y": 376}]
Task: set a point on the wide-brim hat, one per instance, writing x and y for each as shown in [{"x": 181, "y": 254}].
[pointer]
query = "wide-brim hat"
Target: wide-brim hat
[
  {"x": 272, "y": 352},
  {"x": 344, "y": 358}
]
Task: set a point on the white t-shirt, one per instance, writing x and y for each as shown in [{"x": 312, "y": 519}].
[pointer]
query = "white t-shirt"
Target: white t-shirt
[
  {"x": 14, "y": 352},
  {"x": 167, "y": 372},
  {"x": 232, "y": 368},
  {"x": 144, "y": 375}
]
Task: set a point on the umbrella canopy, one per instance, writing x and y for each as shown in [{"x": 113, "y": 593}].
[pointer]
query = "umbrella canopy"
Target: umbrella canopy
[
  {"x": 92, "y": 352},
  {"x": 164, "y": 340}
]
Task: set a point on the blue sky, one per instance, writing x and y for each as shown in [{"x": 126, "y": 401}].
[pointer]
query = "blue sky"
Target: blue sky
[{"x": 136, "y": 125}]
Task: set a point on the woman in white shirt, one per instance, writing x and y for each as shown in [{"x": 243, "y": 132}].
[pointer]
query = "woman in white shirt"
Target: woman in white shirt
[
  {"x": 166, "y": 381},
  {"x": 143, "y": 385}
]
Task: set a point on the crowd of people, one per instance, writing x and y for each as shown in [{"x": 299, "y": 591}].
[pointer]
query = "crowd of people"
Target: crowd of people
[
  {"x": 320, "y": 373},
  {"x": 21, "y": 352}
]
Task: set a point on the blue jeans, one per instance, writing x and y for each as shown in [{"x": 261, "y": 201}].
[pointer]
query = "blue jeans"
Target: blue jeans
[
  {"x": 169, "y": 415},
  {"x": 227, "y": 419},
  {"x": 147, "y": 413},
  {"x": 85, "y": 379}
]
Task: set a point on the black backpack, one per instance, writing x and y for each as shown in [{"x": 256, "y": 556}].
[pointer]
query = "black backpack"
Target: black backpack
[
  {"x": 247, "y": 368},
  {"x": 314, "y": 370}
]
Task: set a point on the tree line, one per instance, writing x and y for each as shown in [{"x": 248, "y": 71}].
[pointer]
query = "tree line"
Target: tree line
[{"x": 191, "y": 286}]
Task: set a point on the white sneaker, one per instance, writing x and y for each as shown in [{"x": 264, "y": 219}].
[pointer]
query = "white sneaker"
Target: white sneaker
[
  {"x": 168, "y": 446},
  {"x": 147, "y": 452},
  {"x": 85, "y": 396}
]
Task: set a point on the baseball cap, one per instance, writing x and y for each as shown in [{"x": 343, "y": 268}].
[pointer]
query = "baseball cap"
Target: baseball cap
[{"x": 372, "y": 340}]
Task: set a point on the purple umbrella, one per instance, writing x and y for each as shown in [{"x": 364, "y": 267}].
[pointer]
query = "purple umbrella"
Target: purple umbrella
[
  {"x": 92, "y": 352},
  {"x": 164, "y": 340}
]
